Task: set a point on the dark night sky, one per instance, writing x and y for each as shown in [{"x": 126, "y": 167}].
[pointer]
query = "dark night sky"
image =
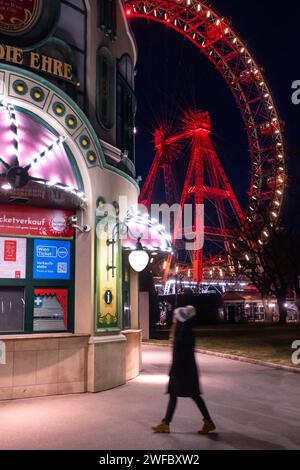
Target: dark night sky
[{"x": 173, "y": 76}]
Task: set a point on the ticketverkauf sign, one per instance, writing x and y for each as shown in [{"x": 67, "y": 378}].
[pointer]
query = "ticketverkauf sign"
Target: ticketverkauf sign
[{"x": 35, "y": 222}]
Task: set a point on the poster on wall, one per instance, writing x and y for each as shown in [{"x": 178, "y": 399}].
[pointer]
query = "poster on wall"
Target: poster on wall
[
  {"x": 12, "y": 258},
  {"x": 35, "y": 222},
  {"x": 17, "y": 17},
  {"x": 108, "y": 269},
  {"x": 50, "y": 311},
  {"x": 51, "y": 259}
]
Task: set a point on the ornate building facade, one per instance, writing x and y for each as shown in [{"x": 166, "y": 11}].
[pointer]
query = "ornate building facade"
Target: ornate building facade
[{"x": 69, "y": 319}]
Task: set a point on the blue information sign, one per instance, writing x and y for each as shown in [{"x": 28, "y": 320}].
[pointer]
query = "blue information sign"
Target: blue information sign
[{"x": 51, "y": 259}]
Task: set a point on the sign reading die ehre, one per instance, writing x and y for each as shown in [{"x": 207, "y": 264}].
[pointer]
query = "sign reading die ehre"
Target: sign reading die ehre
[{"x": 36, "y": 61}]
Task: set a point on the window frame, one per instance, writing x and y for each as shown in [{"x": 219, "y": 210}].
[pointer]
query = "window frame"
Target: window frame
[
  {"x": 109, "y": 123},
  {"x": 30, "y": 284}
]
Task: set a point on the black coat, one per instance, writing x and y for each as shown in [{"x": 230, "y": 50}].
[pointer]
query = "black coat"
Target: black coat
[{"x": 184, "y": 379}]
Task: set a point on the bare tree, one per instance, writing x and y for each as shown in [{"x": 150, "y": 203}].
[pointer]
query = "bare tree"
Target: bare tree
[{"x": 271, "y": 262}]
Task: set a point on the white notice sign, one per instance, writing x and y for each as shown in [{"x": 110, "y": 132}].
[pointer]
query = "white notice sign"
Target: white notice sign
[{"x": 12, "y": 258}]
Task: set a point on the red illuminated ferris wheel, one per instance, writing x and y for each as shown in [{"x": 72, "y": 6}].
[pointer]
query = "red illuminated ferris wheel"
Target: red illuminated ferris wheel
[{"x": 215, "y": 38}]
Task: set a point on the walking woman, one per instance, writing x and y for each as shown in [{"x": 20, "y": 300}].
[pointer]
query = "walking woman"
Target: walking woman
[{"x": 184, "y": 379}]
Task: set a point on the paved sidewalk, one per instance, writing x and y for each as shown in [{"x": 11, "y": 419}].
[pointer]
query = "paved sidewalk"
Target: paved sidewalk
[{"x": 255, "y": 407}]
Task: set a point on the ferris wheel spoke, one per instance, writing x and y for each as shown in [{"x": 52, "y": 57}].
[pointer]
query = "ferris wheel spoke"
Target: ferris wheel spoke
[
  {"x": 45, "y": 152},
  {"x": 14, "y": 128},
  {"x": 5, "y": 164}
]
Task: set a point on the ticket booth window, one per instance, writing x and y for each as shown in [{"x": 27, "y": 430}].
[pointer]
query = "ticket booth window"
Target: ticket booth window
[
  {"x": 50, "y": 311},
  {"x": 36, "y": 274},
  {"x": 12, "y": 309}
]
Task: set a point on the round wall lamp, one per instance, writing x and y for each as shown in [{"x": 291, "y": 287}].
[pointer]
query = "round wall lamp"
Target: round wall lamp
[{"x": 139, "y": 258}]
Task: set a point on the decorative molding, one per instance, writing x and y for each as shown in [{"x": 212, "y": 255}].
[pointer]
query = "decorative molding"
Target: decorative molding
[
  {"x": 117, "y": 338},
  {"x": 111, "y": 152},
  {"x": 31, "y": 92}
]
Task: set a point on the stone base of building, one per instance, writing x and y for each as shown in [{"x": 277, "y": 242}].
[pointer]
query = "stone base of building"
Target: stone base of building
[
  {"x": 133, "y": 353},
  {"x": 41, "y": 365}
]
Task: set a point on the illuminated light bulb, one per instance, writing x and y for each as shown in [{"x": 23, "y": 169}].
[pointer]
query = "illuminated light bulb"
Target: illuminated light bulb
[
  {"x": 164, "y": 265},
  {"x": 247, "y": 257},
  {"x": 128, "y": 12},
  {"x": 208, "y": 14},
  {"x": 138, "y": 259},
  {"x": 176, "y": 269},
  {"x": 6, "y": 187},
  {"x": 279, "y": 192},
  {"x": 242, "y": 50},
  {"x": 277, "y": 203},
  {"x": 198, "y": 7},
  {"x": 260, "y": 242},
  {"x": 274, "y": 214},
  {"x": 218, "y": 22}
]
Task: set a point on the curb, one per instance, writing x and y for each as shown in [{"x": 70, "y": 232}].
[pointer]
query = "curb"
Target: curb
[{"x": 234, "y": 357}]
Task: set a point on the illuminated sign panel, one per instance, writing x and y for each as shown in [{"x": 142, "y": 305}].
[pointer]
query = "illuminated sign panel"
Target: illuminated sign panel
[
  {"x": 51, "y": 259},
  {"x": 35, "y": 222},
  {"x": 12, "y": 258}
]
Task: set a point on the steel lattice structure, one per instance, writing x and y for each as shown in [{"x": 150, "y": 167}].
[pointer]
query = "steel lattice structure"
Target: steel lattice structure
[
  {"x": 216, "y": 39},
  {"x": 166, "y": 153},
  {"x": 205, "y": 180}
]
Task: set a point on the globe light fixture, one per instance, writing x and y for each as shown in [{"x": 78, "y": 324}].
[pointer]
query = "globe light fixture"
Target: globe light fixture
[{"x": 138, "y": 259}]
